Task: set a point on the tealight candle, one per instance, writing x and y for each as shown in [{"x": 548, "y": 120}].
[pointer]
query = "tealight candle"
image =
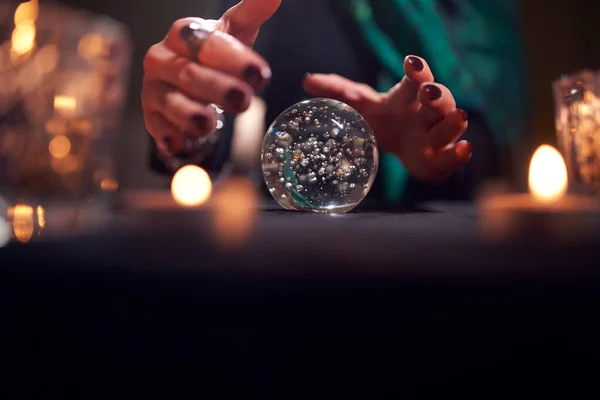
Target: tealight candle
[
  {"x": 547, "y": 212},
  {"x": 191, "y": 189}
]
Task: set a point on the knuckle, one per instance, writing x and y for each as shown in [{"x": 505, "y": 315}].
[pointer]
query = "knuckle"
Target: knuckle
[
  {"x": 151, "y": 57},
  {"x": 188, "y": 73},
  {"x": 150, "y": 128},
  {"x": 176, "y": 27},
  {"x": 210, "y": 86},
  {"x": 169, "y": 101}
]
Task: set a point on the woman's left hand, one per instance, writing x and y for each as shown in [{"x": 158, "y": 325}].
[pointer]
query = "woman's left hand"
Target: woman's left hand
[{"x": 417, "y": 120}]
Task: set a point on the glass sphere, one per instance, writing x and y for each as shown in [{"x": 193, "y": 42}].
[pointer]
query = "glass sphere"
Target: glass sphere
[{"x": 319, "y": 155}]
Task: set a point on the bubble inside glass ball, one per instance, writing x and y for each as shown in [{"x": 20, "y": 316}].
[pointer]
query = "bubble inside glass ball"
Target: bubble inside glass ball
[{"x": 319, "y": 155}]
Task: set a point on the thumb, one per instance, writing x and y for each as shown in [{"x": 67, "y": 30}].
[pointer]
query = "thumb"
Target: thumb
[
  {"x": 245, "y": 19},
  {"x": 357, "y": 95}
]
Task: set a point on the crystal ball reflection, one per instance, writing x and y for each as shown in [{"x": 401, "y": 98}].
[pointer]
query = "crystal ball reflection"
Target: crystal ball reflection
[{"x": 319, "y": 155}]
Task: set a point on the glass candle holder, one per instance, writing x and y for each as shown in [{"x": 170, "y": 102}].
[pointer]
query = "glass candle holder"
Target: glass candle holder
[
  {"x": 577, "y": 116},
  {"x": 63, "y": 79}
]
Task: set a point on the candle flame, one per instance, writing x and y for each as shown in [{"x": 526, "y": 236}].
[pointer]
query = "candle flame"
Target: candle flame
[
  {"x": 191, "y": 186},
  {"x": 547, "y": 174},
  {"x": 23, "y": 223}
]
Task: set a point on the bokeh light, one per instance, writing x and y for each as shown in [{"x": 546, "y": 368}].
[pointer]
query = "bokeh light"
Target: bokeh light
[
  {"x": 57, "y": 126},
  {"x": 65, "y": 103},
  {"x": 59, "y": 147},
  {"x": 66, "y": 165},
  {"x": 234, "y": 210},
  {"x": 23, "y": 38},
  {"x": 41, "y": 217},
  {"x": 27, "y": 12},
  {"x": 191, "y": 186},
  {"x": 46, "y": 59},
  {"x": 109, "y": 185},
  {"x": 92, "y": 46}
]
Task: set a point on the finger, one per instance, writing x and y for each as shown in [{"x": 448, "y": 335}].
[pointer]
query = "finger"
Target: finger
[
  {"x": 184, "y": 113},
  {"x": 405, "y": 93},
  {"x": 245, "y": 19},
  {"x": 436, "y": 101},
  {"x": 222, "y": 52},
  {"x": 198, "y": 82},
  {"x": 451, "y": 158},
  {"x": 356, "y": 95},
  {"x": 166, "y": 135},
  {"x": 449, "y": 130}
]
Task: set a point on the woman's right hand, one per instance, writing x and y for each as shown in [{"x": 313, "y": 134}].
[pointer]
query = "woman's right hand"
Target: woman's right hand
[{"x": 179, "y": 87}]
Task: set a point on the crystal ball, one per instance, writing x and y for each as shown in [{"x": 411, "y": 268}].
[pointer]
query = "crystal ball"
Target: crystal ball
[{"x": 319, "y": 155}]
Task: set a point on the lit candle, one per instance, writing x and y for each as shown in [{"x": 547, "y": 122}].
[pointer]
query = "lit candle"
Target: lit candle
[
  {"x": 191, "y": 188},
  {"x": 546, "y": 212}
]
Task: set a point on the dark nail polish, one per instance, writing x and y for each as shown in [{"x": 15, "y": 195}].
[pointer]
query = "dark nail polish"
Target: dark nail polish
[
  {"x": 464, "y": 114},
  {"x": 433, "y": 92},
  {"x": 235, "y": 98},
  {"x": 416, "y": 64},
  {"x": 201, "y": 122},
  {"x": 255, "y": 76}
]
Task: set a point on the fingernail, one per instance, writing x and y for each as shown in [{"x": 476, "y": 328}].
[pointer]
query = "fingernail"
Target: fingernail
[
  {"x": 307, "y": 75},
  {"x": 466, "y": 150},
  {"x": 433, "y": 92},
  {"x": 256, "y": 76},
  {"x": 201, "y": 121},
  {"x": 464, "y": 114},
  {"x": 416, "y": 63},
  {"x": 235, "y": 98}
]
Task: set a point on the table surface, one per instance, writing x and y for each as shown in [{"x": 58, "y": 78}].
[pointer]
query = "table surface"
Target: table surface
[
  {"x": 350, "y": 301},
  {"x": 432, "y": 240}
]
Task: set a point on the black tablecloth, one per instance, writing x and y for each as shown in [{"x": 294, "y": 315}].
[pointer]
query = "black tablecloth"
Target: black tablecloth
[{"x": 407, "y": 301}]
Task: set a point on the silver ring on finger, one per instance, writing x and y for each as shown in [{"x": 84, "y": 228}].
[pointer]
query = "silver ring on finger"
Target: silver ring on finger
[{"x": 194, "y": 36}]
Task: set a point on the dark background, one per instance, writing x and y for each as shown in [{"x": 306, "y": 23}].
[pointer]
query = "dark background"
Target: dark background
[{"x": 559, "y": 37}]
